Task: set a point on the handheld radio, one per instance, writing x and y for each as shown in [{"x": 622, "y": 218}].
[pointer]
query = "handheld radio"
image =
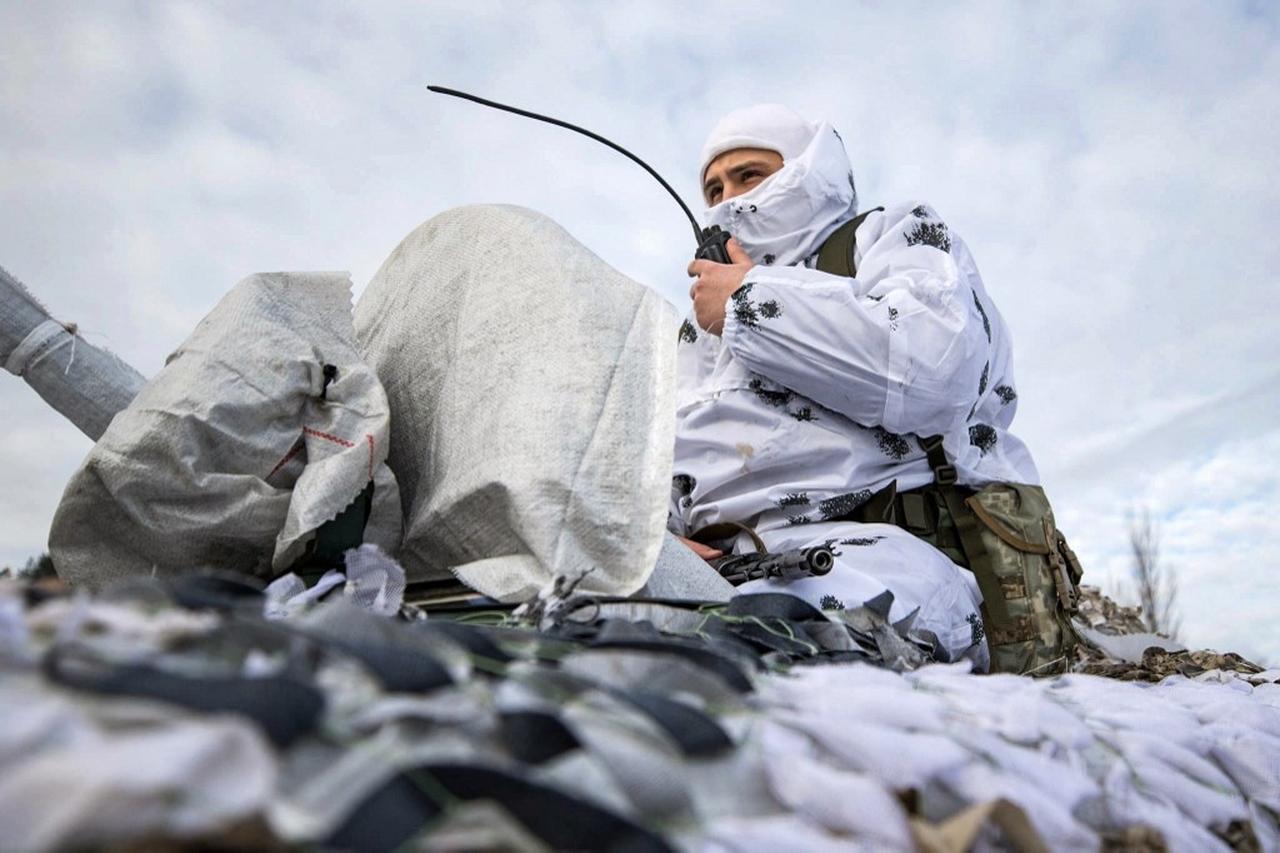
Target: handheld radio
[{"x": 711, "y": 241}]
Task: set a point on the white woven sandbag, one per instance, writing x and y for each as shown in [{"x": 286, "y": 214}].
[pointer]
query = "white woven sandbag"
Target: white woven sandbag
[
  {"x": 230, "y": 458},
  {"x": 531, "y": 387}
]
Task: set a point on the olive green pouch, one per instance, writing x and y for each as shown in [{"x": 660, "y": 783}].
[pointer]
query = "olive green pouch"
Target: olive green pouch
[{"x": 1028, "y": 575}]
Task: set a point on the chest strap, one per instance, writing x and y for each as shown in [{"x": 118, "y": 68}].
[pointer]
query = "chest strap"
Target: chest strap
[
  {"x": 837, "y": 253},
  {"x": 967, "y": 530}
]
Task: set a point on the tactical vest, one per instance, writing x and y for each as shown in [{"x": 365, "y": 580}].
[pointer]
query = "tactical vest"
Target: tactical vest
[{"x": 1004, "y": 533}]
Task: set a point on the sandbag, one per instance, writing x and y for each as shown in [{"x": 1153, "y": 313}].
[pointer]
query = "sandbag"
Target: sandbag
[
  {"x": 262, "y": 426},
  {"x": 531, "y": 387}
]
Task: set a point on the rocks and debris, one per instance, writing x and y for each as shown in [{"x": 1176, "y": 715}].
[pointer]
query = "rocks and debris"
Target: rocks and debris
[
  {"x": 175, "y": 711},
  {"x": 1106, "y": 616},
  {"x": 1157, "y": 664},
  {"x": 1116, "y": 644}
]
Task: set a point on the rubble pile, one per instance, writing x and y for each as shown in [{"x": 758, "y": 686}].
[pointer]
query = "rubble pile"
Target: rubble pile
[
  {"x": 203, "y": 710},
  {"x": 1100, "y": 612},
  {"x": 1118, "y": 645}
]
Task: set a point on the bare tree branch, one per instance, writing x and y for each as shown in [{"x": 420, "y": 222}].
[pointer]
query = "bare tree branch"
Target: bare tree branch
[{"x": 1157, "y": 586}]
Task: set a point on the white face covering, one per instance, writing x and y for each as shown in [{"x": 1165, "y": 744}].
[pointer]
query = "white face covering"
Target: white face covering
[{"x": 786, "y": 218}]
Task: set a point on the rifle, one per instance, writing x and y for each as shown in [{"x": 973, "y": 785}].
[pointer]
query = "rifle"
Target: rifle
[{"x": 789, "y": 565}]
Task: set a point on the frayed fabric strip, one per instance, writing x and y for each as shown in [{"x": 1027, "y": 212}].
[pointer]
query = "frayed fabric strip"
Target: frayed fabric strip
[{"x": 39, "y": 340}]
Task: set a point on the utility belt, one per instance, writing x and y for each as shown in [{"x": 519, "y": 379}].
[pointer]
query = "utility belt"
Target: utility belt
[{"x": 1005, "y": 534}]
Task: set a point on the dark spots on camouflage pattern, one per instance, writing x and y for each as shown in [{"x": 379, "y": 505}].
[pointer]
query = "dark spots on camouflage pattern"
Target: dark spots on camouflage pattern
[
  {"x": 853, "y": 187},
  {"x": 973, "y": 410},
  {"x": 920, "y": 212},
  {"x": 753, "y": 208},
  {"x": 830, "y": 545},
  {"x": 986, "y": 322},
  {"x": 804, "y": 413},
  {"x": 875, "y": 298},
  {"x": 830, "y": 602},
  {"x": 777, "y": 399},
  {"x": 748, "y": 313},
  {"x": 841, "y": 505},
  {"x": 891, "y": 444},
  {"x": 683, "y": 485},
  {"x": 743, "y": 310},
  {"x": 1006, "y": 394},
  {"x": 893, "y": 319},
  {"x": 982, "y": 382},
  {"x": 861, "y": 541},
  {"x": 769, "y": 259},
  {"x": 791, "y": 499},
  {"x": 797, "y": 520},
  {"x": 982, "y": 437},
  {"x": 976, "y": 629},
  {"x": 930, "y": 234},
  {"x": 688, "y": 333}
]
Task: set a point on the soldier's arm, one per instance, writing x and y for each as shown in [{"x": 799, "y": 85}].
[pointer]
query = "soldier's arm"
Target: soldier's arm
[{"x": 900, "y": 346}]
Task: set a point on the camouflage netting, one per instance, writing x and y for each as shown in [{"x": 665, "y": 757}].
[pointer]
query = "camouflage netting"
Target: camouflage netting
[{"x": 172, "y": 711}]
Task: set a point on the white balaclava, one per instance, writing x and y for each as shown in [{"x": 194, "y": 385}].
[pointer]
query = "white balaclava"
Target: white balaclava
[{"x": 786, "y": 218}]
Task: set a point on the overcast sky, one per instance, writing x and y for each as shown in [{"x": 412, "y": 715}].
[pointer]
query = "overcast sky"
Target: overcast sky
[{"x": 1113, "y": 167}]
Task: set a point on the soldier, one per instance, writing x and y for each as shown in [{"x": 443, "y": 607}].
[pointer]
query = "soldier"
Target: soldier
[{"x": 811, "y": 365}]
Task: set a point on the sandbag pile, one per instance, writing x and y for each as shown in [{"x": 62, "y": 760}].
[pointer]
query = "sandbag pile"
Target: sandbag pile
[
  {"x": 590, "y": 722},
  {"x": 263, "y": 426},
  {"x": 519, "y": 388}
]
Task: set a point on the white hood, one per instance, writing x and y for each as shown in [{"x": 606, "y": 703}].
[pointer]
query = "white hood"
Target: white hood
[
  {"x": 786, "y": 218},
  {"x": 772, "y": 127}
]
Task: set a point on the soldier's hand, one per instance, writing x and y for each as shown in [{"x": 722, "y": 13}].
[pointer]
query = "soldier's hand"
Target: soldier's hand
[
  {"x": 714, "y": 284},
  {"x": 706, "y": 552}
]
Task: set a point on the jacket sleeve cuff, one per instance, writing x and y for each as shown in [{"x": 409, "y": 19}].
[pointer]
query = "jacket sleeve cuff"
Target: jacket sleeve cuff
[{"x": 746, "y": 312}]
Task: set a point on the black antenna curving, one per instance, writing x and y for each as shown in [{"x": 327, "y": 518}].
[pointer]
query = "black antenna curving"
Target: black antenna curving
[{"x": 697, "y": 232}]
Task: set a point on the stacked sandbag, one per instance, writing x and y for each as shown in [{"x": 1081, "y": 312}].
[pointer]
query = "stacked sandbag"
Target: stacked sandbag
[
  {"x": 263, "y": 426},
  {"x": 531, "y": 391}
]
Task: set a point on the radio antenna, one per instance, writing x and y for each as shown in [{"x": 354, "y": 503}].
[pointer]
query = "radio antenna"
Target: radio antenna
[{"x": 697, "y": 232}]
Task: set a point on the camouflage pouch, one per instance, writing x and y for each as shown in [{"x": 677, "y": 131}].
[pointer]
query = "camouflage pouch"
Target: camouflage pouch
[{"x": 1028, "y": 575}]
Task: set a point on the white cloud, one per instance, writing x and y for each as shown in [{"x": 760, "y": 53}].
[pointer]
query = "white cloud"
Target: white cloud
[
  {"x": 1112, "y": 166},
  {"x": 1215, "y": 511}
]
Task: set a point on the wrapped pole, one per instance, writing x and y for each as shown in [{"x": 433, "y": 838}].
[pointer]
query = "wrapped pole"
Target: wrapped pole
[{"x": 87, "y": 384}]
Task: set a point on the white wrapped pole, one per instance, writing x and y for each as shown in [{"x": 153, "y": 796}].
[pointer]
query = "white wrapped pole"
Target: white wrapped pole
[{"x": 87, "y": 384}]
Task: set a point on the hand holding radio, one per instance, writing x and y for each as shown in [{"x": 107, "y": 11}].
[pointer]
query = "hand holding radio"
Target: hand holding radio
[{"x": 715, "y": 283}]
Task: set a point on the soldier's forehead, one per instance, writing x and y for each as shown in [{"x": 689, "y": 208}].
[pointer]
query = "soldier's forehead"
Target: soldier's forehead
[{"x": 741, "y": 156}]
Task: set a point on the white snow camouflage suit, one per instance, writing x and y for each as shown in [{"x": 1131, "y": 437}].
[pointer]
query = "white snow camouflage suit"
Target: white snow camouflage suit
[{"x": 815, "y": 394}]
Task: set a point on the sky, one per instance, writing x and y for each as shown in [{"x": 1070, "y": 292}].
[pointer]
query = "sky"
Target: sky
[{"x": 1112, "y": 166}]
